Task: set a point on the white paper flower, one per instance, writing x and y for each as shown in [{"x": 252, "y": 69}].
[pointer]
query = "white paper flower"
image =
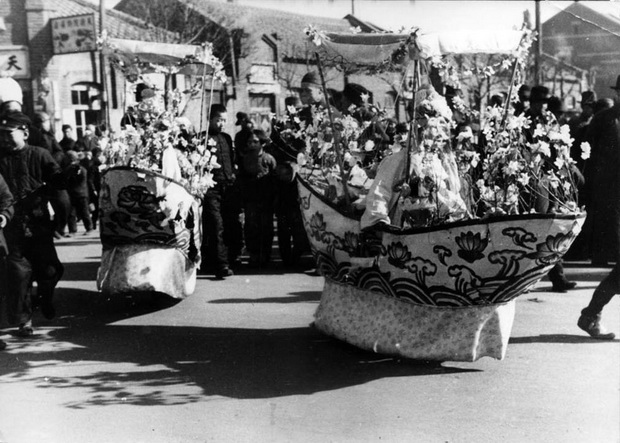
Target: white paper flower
[{"x": 585, "y": 150}]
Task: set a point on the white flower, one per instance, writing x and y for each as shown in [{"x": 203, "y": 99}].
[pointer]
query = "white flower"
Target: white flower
[
  {"x": 511, "y": 168},
  {"x": 539, "y": 131},
  {"x": 585, "y": 150},
  {"x": 291, "y": 109},
  {"x": 543, "y": 148},
  {"x": 466, "y": 134},
  {"x": 353, "y": 145},
  {"x": 559, "y": 163},
  {"x": 301, "y": 159},
  {"x": 369, "y": 145}
]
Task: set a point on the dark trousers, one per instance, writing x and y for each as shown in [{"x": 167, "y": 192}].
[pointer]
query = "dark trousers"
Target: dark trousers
[
  {"x": 221, "y": 226},
  {"x": 30, "y": 258},
  {"x": 292, "y": 238},
  {"x": 258, "y": 228},
  {"x": 79, "y": 211},
  {"x": 62, "y": 209},
  {"x": 556, "y": 274},
  {"x": 604, "y": 292}
]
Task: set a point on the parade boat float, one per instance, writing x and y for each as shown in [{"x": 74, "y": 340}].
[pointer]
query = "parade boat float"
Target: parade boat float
[
  {"x": 429, "y": 287},
  {"x": 155, "y": 175}
]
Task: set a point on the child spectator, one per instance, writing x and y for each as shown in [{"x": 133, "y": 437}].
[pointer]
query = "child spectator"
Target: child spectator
[
  {"x": 77, "y": 187},
  {"x": 256, "y": 174}
]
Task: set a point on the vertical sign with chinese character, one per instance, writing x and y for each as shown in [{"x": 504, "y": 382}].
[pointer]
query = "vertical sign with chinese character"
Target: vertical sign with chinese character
[
  {"x": 74, "y": 34},
  {"x": 14, "y": 62}
]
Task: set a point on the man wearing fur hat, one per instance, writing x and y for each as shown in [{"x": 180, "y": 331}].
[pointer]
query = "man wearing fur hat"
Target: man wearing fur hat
[{"x": 28, "y": 170}]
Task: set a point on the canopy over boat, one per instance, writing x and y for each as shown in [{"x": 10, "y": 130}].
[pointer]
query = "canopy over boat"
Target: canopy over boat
[
  {"x": 389, "y": 48},
  {"x": 167, "y": 58}
]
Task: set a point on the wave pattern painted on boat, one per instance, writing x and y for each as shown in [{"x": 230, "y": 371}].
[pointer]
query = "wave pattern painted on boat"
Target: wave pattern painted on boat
[{"x": 470, "y": 263}]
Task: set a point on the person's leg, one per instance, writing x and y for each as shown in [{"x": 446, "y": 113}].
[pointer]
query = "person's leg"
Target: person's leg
[
  {"x": 590, "y": 319},
  {"x": 233, "y": 228},
  {"x": 83, "y": 213},
  {"x": 72, "y": 218},
  {"x": 47, "y": 271},
  {"x": 19, "y": 275},
  {"x": 559, "y": 280},
  {"x": 266, "y": 233},
  {"x": 251, "y": 231},
  {"x": 214, "y": 249},
  {"x": 62, "y": 208}
]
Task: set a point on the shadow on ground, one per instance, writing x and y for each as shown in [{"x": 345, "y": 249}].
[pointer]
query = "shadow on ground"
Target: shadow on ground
[
  {"x": 556, "y": 338},
  {"x": 177, "y": 365},
  {"x": 294, "y": 297}
]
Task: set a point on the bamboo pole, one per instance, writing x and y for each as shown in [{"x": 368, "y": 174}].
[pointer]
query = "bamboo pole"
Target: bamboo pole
[{"x": 339, "y": 157}]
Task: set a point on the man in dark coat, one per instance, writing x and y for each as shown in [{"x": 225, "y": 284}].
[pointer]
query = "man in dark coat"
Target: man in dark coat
[
  {"x": 604, "y": 134},
  {"x": 28, "y": 170},
  {"x": 223, "y": 233},
  {"x": 602, "y": 175},
  {"x": 6, "y": 214},
  {"x": 538, "y": 113}
]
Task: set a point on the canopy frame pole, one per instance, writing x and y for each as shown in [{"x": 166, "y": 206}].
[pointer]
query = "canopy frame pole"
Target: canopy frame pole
[
  {"x": 202, "y": 96},
  {"x": 511, "y": 87},
  {"x": 339, "y": 158},
  {"x": 412, "y": 140}
]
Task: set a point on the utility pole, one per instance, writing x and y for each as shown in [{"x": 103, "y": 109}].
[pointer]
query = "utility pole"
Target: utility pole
[
  {"x": 538, "y": 53},
  {"x": 102, "y": 66},
  {"x": 353, "y": 7}
]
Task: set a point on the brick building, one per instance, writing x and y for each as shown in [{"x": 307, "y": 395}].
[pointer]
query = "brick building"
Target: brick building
[
  {"x": 49, "y": 47},
  {"x": 587, "y": 35},
  {"x": 266, "y": 52}
]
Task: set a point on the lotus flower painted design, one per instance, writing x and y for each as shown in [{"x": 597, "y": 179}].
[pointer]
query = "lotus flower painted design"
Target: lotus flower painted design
[
  {"x": 316, "y": 223},
  {"x": 554, "y": 247},
  {"x": 398, "y": 255},
  {"x": 471, "y": 246}
]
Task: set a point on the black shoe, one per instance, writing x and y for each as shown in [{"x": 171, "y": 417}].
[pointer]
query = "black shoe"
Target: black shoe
[
  {"x": 47, "y": 309},
  {"x": 592, "y": 325},
  {"x": 563, "y": 286},
  {"x": 223, "y": 273}
]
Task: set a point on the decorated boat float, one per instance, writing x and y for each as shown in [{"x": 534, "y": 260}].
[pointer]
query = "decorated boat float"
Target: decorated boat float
[
  {"x": 150, "y": 232},
  {"x": 156, "y": 170},
  {"x": 438, "y": 293},
  {"x": 439, "y": 280}
]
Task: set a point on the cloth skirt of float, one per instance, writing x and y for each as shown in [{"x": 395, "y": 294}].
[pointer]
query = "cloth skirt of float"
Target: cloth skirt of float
[
  {"x": 439, "y": 293},
  {"x": 150, "y": 232}
]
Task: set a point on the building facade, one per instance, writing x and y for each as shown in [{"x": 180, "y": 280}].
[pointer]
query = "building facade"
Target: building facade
[{"x": 587, "y": 36}]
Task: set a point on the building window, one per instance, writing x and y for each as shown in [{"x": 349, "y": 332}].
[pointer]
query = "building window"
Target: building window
[
  {"x": 261, "y": 108},
  {"x": 86, "y": 101}
]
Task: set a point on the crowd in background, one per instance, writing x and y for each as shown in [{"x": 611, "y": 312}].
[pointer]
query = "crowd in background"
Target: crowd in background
[{"x": 254, "y": 188}]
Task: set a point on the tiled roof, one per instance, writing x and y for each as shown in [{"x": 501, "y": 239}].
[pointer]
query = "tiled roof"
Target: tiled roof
[
  {"x": 118, "y": 24},
  {"x": 257, "y": 22}
]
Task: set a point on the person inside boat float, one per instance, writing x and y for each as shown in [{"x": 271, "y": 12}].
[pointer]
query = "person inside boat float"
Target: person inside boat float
[{"x": 391, "y": 201}]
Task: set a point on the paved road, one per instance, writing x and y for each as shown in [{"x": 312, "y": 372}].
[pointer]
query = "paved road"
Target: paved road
[{"x": 238, "y": 362}]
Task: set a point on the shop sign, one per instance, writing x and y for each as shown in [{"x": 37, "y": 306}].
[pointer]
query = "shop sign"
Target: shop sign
[
  {"x": 15, "y": 62},
  {"x": 74, "y": 34},
  {"x": 263, "y": 73}
]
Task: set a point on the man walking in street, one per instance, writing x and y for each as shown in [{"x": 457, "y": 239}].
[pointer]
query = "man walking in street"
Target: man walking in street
[
  {"x": 28, "y": 170},
  {"x": 6, "y": 214}
]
